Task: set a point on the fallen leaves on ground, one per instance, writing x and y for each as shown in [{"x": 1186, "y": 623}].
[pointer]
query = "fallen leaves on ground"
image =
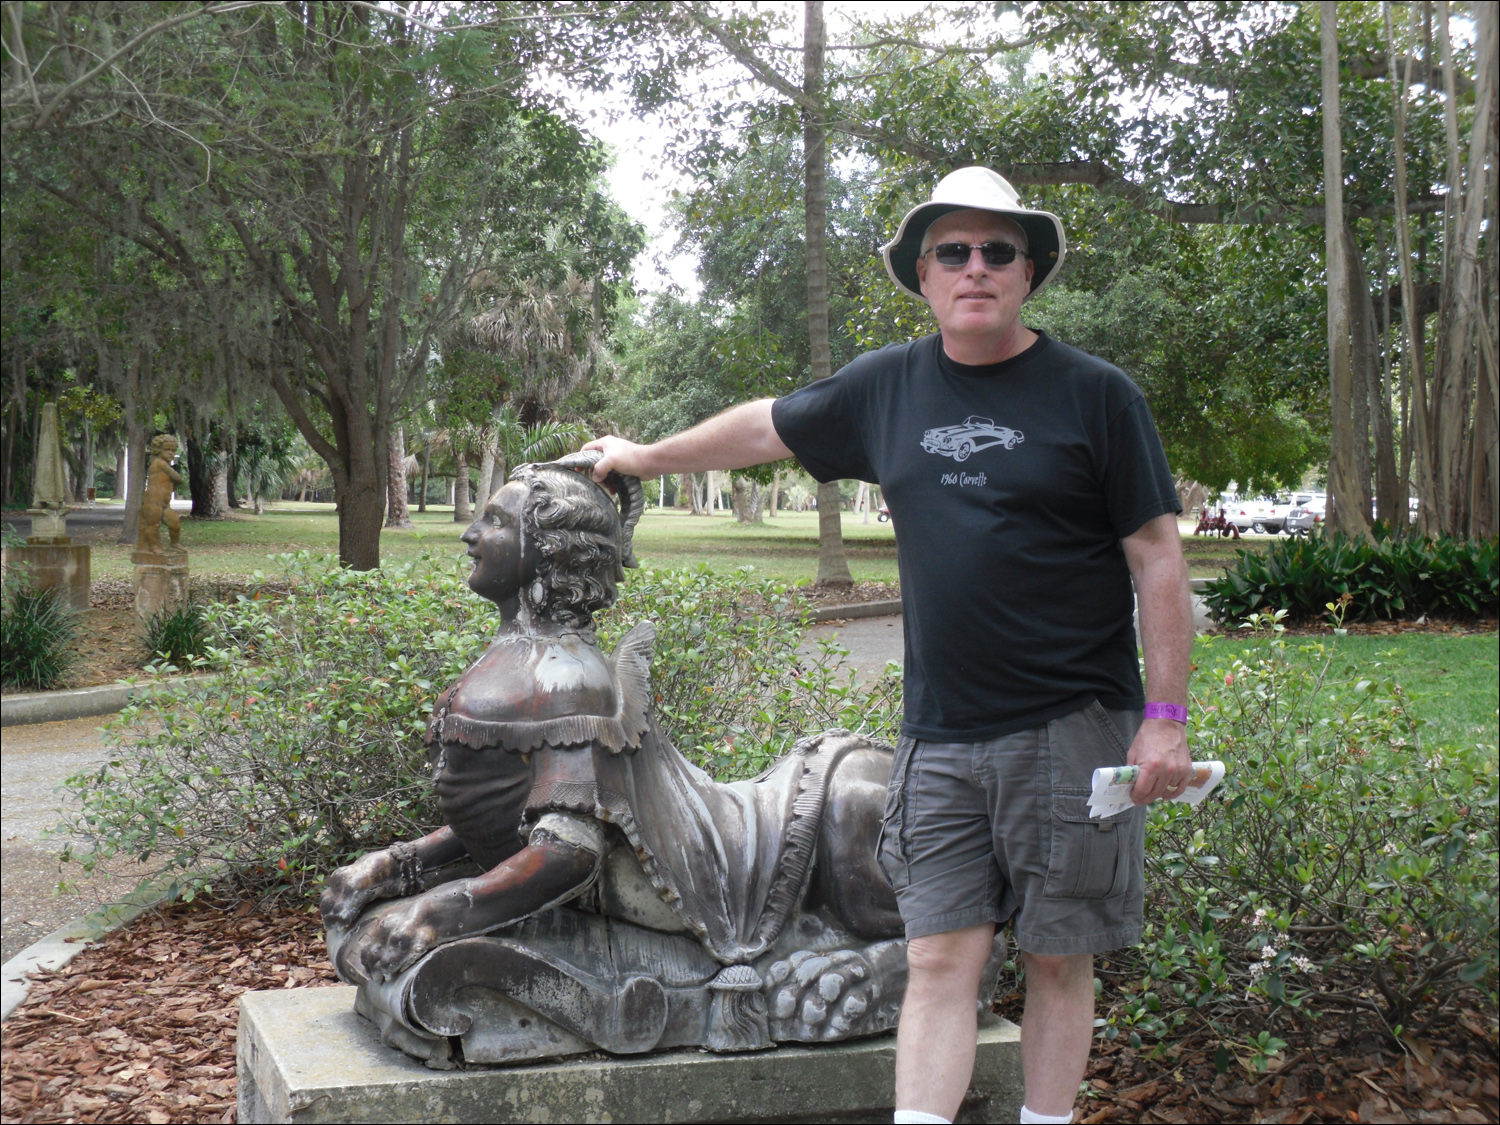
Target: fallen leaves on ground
[
  {"x": 1328, "y": 1072},
  {"x": 142, "y": 1026}
]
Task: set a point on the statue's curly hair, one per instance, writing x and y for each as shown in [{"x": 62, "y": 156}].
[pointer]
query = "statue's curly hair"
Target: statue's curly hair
[
  {"x": 159, "y": 443},
  {"x": 576, "y": 527}
]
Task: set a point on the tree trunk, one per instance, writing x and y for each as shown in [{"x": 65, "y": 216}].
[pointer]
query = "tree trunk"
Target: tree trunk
[
  {"x": 747, "y": 499},
  {"x": 1418, "y": 429},
  {"x": 1347, "y": 512},
  {"x": 486, "y": 472},
  {"x": 831, "y": 558},
  {"x": 1378, "y": 473},
  {"x": 690, "y": 489},
  {"x": 833, "y": 567},
  {"x": 396, "y": 512},
  {"x": 426, "y": 468},
  {"x": 204, "y": 466},
  {"x": 221, "y": 486},
  {"x": 775, "y": 494},
  {"x": 231, "y": 465},
  {"x": 134, "y": 484},
  {"x": 461, "y": 510}
]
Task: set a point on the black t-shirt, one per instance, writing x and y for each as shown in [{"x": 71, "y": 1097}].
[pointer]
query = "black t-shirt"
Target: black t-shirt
[{"x": 1010, "y": 487}]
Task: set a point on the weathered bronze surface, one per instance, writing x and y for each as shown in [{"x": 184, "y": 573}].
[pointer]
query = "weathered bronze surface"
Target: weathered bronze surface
[{"x": 592, "y": 889}]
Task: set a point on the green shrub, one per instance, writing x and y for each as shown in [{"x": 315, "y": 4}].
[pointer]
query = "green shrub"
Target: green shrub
[
  {"x": 177, "y": 636},
  {"x": 38, "y": 638},
  {"x": 1342, "y": 866},
  {"x": 1385, "y": 579},
  {"x": 305, "y": 750},
  {"x": 732, "y": 688}
]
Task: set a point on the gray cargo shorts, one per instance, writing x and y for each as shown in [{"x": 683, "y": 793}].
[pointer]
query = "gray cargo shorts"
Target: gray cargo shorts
[{"x": 999, "y": 831}]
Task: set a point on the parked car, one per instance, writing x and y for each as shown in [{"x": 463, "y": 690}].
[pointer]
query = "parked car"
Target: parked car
[
  {"x": 884, "y": 515},
  {"x": 1307, "y": 515}
]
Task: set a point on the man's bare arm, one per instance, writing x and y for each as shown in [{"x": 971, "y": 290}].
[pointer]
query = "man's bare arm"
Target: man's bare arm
[
  {"x": 736, "y": 439},
  {"x": 1154, "y": 554}
]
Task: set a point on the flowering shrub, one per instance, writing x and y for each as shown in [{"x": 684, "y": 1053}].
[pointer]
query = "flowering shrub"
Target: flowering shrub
[{"x": 1343, "y": 865}]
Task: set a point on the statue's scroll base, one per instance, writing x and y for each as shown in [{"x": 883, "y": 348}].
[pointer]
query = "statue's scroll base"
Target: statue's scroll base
[
  {"x": 305, "y": 1055},
  {"x": 62, "y": 566},
  {"x": 161, "y": 581},
  {"x": 567, "y": 982}
]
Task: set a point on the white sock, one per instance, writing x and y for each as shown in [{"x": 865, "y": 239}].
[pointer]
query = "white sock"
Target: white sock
[
  {"x": 917, "y": 1117},
  {"x": 1030, "y": 1116}
]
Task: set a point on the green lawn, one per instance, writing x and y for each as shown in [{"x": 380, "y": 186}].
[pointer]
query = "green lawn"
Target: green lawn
[
  {"x": 784, "y": 547},
  {"x": 1453, "y": 681}
]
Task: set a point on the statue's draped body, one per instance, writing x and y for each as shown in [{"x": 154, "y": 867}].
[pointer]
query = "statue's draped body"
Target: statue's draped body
[{"x": 592, "y": 888}]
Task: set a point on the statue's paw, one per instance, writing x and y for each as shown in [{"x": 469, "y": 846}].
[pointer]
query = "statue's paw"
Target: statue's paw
[
  {"x": 396, "y": 941},
  {"x": 352, "y": 888},
  {"x": 825, "y": 993}
]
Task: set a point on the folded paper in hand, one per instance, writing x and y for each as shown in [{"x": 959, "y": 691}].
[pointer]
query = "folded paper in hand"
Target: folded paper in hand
[{"x": 1112, "y": 786}]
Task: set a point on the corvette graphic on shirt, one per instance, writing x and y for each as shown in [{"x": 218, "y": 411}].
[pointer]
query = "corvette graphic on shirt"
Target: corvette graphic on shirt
[{"x": 970, "y": 436}]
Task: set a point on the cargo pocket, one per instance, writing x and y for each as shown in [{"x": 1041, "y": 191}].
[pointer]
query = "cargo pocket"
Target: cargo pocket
[
  {"x": 1088, "y": 856},
  {"x": 890, "y": 848}
]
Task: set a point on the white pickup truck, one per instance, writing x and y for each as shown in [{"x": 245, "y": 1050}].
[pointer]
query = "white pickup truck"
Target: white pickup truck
[{"x": 1264, "y": 514}]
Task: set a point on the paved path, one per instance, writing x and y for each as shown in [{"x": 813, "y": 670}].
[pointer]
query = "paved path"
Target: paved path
[
  {"x": 34, "y": 761},
  {"x": 874, "y": 640}
]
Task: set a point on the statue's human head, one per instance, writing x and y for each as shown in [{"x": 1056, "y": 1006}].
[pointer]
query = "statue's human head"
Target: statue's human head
[
  {"x": 164, "y": 446},
  {"x": 552, "y": 537}
]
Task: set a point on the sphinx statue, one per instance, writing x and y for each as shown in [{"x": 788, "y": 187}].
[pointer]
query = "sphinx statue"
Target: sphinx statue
[{"x": 591, "y": 888}]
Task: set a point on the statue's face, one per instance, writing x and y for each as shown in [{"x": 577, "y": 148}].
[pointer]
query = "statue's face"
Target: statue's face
[{"x": 504, "y": 557}]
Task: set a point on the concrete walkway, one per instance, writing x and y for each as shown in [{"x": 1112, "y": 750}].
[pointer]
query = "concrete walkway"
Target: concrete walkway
[
  {"x": 875, "y": 640},
  {"x": 34, "y": 762}
]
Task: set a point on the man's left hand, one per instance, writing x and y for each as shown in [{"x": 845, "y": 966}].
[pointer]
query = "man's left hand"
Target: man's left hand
[{"x": 1161, "y": 750}]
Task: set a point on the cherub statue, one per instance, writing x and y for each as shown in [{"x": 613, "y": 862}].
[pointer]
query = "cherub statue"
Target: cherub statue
[
  {"x": 591, "y": 887},
  {"x": 156, "y": 505}
]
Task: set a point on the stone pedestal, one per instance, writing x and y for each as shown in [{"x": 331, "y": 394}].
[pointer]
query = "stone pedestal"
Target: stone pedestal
[
  {"x": 161, "y": 582},
  {"x": 304, "y": 1055},
  {"x": 49, "y": 526},
  {"x": 64, "y": 567}
]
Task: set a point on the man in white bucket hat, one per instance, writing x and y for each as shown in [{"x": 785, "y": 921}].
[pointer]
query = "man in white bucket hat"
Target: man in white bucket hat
[{"x": 1029, "y": 490}]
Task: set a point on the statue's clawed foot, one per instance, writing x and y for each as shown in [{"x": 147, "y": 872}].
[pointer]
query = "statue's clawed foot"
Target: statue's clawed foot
[
  {"x": 397, "y": 938},
  {"x": 825, "y": 994}
]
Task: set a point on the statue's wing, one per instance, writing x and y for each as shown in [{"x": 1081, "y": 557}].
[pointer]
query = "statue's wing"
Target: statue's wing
[{"x": 631, "y": 665}]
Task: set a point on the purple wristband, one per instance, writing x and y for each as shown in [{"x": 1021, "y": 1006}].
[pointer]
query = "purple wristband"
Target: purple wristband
[{"x": 1174, "y": 711}]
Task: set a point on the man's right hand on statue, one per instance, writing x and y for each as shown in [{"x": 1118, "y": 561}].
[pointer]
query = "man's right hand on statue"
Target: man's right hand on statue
[{"x": 350, "y": 889}]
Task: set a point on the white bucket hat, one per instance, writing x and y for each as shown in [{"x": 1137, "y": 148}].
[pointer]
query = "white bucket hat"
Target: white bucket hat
[{"x": 975, "y": 189}]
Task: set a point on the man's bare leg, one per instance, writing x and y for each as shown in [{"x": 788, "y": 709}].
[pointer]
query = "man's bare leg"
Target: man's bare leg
[
  {"x": 1057, "y": 1028},
  {"x": 938, "y": 1034}
]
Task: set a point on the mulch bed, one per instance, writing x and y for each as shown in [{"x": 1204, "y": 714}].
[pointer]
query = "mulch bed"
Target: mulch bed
[
  {"x": 142, "y": 1028},
  {"x": 1329, "y": 1072},
  {"x": 857, "y": 594}
]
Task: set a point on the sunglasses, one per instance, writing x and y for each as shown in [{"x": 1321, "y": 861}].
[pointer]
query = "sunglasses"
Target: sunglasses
[{"x": 958, "y": 253}]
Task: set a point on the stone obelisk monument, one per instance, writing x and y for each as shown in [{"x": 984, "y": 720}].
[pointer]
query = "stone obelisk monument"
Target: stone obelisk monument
[{"x": 50, "y": 557}]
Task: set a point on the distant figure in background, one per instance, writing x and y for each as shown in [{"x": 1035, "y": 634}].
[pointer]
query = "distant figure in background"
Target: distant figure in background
[{"x": 156, "y": 505}]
